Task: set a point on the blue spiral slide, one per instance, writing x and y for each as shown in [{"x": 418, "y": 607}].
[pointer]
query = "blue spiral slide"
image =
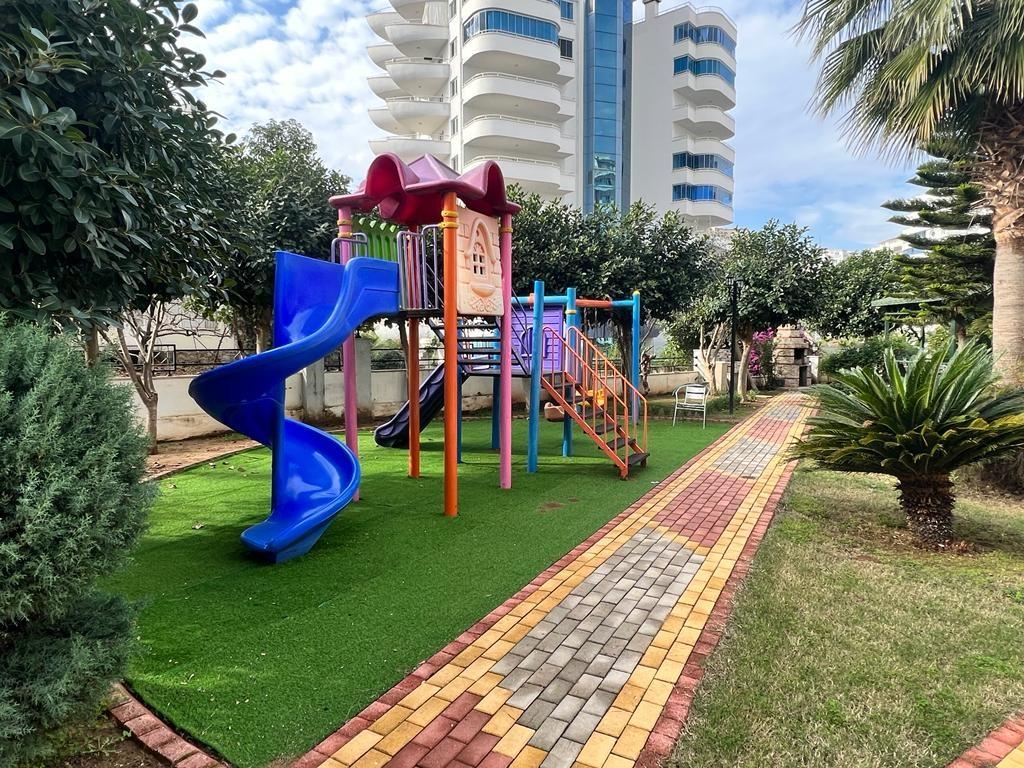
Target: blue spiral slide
[{"x": 317, "y": 305}]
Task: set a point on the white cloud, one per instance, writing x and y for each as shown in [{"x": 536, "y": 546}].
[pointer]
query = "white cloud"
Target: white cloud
[{"x": 306, "y": 59}]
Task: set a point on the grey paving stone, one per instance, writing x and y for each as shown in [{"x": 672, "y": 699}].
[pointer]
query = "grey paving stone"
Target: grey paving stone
[
  {"x": 615, "y": 646},
  {"x": 536, "y": 714},
  {"x": 548, "y": 733},
  {"x": 556, "y": 690},
  {"x": 588, "y": 651},
  {"x": 585, "y": 686},
  {"x": 650, "y": 626},
  {"x": 626, "y": 629},
  {"x": 602, "y": 634},
  {"x": 525, "y": 696},
  {"x": 600, "y": 701},
  {"x": 568, "y": 708},
  {"x": 601, "y": 665},
  {"x": 507, "y": 663},
  {"x": 639, "y": 643},
  {"x": 573, "y": 670},
  {"x": 582, "y": 726},
  {"x": 576, "y": 638},
  {"x": 515, "y": 679},
  {"x": 563, "y": 754},
  {"x": 627, "y": 661},
  {"x": 551, "y": 642},
  {"x": 534, "y": 660},
  {"x": 544, "y": 675},
  {"x": 561, "y": 657}
]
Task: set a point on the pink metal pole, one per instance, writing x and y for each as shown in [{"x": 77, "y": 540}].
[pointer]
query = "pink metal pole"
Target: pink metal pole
[
  {"x": 348, "y": 349},
  {"x": 505, "y": 372}
]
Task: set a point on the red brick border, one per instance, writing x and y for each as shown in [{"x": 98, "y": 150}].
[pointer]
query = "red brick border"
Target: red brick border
[
  {"x": 994, "y": 747},
  {"x": 155, "y": 735}
]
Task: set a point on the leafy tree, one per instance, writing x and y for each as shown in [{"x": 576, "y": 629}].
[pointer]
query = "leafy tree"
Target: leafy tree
[
  {"x": 280, "y": 187},
  {"x": 847, "y": 290},
  {"x": 907, "y": 73},
  {"x": 105, "y": 157},
  {"x": 918, "y": 424},
  {"x": 781, "y": 270},
  {"x": 868, "y": 353},
  {"x": 71, "y": 461},
  {"x": 954, "y": 228}
]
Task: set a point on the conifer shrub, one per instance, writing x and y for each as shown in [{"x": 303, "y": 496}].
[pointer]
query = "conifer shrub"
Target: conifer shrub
[{"x": 71, "y": 507}]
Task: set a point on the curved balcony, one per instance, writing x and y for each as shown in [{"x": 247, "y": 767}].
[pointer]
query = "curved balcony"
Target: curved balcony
[
  {"x": 504, "y": 52},
  {"x": 705, "y": 122},
  {"x": 491, "y": 92},
  {"x": 704, "y": 213},
  {"x": 410, "y": 9},
  {"x": 410, "y": 147},
  {"x": 383, "y": 119},
  {"x": 701, "y": 146},
  {"x": 418, "y": 114},
  {"x": 419, "y": 76},
  {"x": 704, "y": 90},
  {"x": 688, "y": 175},
  {"x": 504, "y": 133},
  {"x": 541, "y": 176},
  {"x": 379, "y": 21},
  {"x": 704, "y": 51},
  {"x": 382, "y": 53},
  {"x": 384, "y": 86},
  {"x": 537, "y": 9},
  {"x": 418, "y": 39}
]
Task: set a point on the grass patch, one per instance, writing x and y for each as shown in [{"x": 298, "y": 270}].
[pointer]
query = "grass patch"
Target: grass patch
[
  {"x": 262, "y": 662},
  {"x": 848, "y": 647}
]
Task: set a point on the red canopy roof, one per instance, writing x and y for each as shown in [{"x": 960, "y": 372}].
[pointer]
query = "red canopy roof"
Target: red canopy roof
[{"x": 414, "y": 193}]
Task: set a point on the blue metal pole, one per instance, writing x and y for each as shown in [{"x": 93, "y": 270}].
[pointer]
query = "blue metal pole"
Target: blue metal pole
[
  {"x": 536, "y": 371},
  {"x": 571, "y": 320},
  {"x": 635, "y": 373},
  {"x": 495, "y": 413}
]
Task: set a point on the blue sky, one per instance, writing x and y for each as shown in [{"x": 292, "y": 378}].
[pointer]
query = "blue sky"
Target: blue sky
[{"x": 305, "y": 59}]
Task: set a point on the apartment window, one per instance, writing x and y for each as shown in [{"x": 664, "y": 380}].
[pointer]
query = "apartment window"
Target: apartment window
[
  {"x": 703, "y": 67},
  {"x": 706, "y": 34},
  {"x": 702, "y": 162},
  {"x": 452, "y": 46},
  {"x": 567, "y": 8},
  {"x": 455, "y": 162},
  {"x": 493, "y": 20},
  {"x": 565, "y": 48},
  {"x": 701, "y": 192},
  {"x": 455, "y": 125},
  {"x": 453, "y": 87},
  {"x": 452, "y": 9}
]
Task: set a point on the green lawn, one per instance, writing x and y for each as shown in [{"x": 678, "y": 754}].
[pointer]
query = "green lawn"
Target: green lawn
[
  {"x": 262, "y": 662},
  {"x": 848, "y": 648}
]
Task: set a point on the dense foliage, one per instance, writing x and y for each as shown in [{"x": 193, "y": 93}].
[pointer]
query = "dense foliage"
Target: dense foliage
[
  {"x": 108, "y": 161},
  {"x": 909, "y": 73},
  {"x": 71, "y": 460},
  {"x": 849, "y": 287},
  {"x": 608, "y": 253},
  {"x": 951, "y": 224},
  {"x": 868, "y": 353},
  {"x": 917, "y": 422},
  {"x": 278, "y": 187}
]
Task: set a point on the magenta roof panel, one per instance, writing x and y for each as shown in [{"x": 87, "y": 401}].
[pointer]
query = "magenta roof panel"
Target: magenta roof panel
[{"x": 414, "y": 193}]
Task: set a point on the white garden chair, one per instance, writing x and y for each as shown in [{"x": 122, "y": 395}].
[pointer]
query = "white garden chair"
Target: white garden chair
[{"x": 691, "y": 397}]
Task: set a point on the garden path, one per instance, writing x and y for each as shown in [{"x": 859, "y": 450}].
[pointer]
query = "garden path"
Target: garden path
[{"x": 595, "y": 662}]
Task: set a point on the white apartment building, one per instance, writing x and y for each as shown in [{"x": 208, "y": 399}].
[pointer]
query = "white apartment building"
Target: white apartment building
[{"x": 573, "y": 98}]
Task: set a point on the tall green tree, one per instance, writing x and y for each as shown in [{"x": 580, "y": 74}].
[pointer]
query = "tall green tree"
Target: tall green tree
[
  {"x": 106, "y": 156},
  {"x": 279, "y": 186},
  {"x": 953, "y": 227},
  {"x": 848, "y": 287},
  {"x": 781, "y": 270},
  {"x": 905, "y": 73}
]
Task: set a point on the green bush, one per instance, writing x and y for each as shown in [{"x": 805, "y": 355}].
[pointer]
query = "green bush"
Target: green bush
[
  {"x": 870, "y": 353},
  {"x": 71, "y": 506}
]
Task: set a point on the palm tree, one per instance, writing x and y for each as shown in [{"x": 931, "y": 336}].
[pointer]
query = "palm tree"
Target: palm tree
[
  {"x": 917, "y": 424},
  {"x": 906, "y": 71}
]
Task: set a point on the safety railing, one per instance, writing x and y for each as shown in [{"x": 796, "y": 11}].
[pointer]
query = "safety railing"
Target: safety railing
[{"x": 421, "y": 284}]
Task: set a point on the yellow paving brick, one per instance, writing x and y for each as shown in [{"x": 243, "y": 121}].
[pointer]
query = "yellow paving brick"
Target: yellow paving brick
[
  {"x": 669, "y": 671},
  {"x": 468, "y": 655},
  {"x": 643, "y": 676},
  {"x": 372, "y": 759},
  {"x": 658, "y": 692},
  {"x": 614, "y": 721},
  {"x": 512, "y": 743},
  {"x": 653, "y": 657},
  {"x": 629, "y": 697},
  {"x": 631, "y": 743},
  {"x": 444, "y": 675},
  {"x": 663, "y": 639},
  {"x": 498, "y": 649},
  {"x": 399, "y": 737},
  {"x": 477, "y": 669},
  {"x": 502, "y": 720},
  {"x": 486, "y": 683},
  {"x": 427, "y": 711},
  {"x": 596, "y": 750},
  {"x": 530, "y": 757},
  {"x": 358, "y": 746},
  {"x": 689, "y": 635},
  {"x": 390, "y": 720},
  {"x": 417, "y": 696},
  {"x": 646, "y": 715},
  {"x": 679, "y": 652},
  {"x": 614, "y": 761},
  {"x": 517, "y": 633},
  {"x": 455, "y": 688},
  {"x": 493, "y": 701}
]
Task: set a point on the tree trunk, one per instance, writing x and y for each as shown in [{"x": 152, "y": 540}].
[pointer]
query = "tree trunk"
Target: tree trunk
[
  {"x": 92, "y": 346},
  {"x": 264, "y": 330},
  {"x": 1008, "y": 298},
  {"x": 624, "y": 341},
  {"x": 927, "y": 501},
  {"x": 151, "y": 402},
  {"x": 742, "y": 374}
]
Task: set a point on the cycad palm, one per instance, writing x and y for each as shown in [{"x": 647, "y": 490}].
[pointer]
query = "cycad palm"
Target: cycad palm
[
  {"x": 907, "y": 71},
  {"x": 917, "y": 425}
]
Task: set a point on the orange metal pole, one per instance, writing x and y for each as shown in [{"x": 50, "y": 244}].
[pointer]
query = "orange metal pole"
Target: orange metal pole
[
  {"x": 449, "y": 226},
  {"x": 413, "y": 364}
]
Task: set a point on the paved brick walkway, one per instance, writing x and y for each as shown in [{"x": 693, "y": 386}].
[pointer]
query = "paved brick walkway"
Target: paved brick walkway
[
  {"x": 595, "y": 662},
  {"x": 1003, "y": 748}
]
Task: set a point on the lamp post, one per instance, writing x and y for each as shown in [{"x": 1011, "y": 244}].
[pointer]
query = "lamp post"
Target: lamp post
[{"x": 735, "y": 284}]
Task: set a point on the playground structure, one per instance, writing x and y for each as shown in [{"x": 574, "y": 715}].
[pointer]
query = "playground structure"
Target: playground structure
[{"x": 449, "y": 266}]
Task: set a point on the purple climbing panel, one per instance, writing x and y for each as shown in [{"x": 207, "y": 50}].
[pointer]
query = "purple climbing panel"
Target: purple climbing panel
[{"x": 522, "y": 335}]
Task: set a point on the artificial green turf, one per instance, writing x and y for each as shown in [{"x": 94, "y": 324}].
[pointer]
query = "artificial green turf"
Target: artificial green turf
[{"x": 264, "y": 661}]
